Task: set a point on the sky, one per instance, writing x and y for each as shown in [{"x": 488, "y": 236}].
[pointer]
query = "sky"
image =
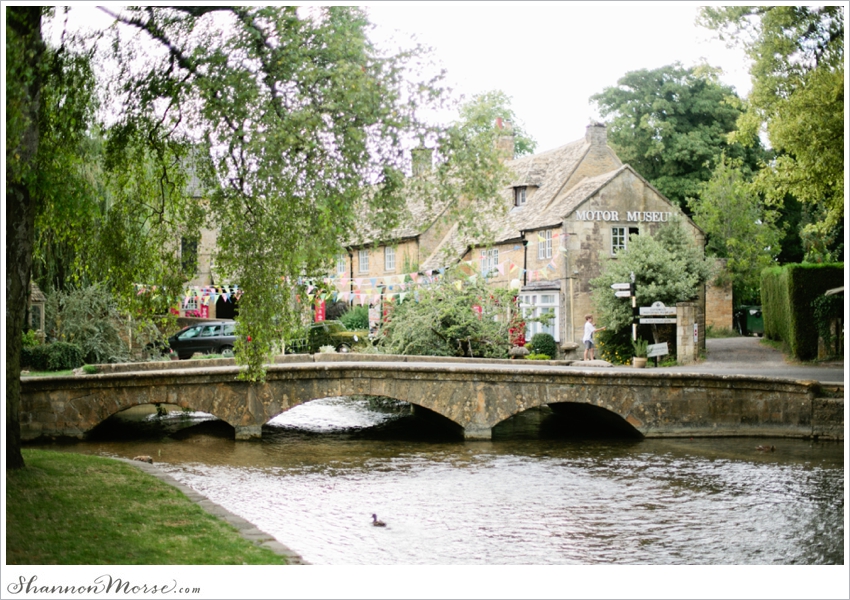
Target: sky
[
  {"x": 551, "y": 57},
  {"x": 548, "y": 57}
]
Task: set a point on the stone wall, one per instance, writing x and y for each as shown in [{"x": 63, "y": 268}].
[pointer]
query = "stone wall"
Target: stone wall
[{"x": 718, "y": 302}]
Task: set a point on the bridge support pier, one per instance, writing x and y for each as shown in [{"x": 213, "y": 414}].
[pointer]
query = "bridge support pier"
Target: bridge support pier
[
  {"x": 249, "y": 432},
  {"x": 477, "y": 432}
]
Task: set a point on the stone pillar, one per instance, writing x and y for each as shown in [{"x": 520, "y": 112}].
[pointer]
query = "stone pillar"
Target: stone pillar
[
  {"x": 477, "y": 432},
  {"x": 249, "y": 432},
  {"x": 687, "y": 350}
]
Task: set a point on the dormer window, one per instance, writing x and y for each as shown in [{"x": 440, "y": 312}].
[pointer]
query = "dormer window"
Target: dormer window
[{"x": 520, "y": 195}]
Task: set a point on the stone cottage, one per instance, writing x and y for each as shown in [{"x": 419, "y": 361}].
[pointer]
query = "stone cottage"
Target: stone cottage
[{"x": 567, "y": 208}]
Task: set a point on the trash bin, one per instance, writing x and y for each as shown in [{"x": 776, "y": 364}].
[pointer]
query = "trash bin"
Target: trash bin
[{"x": 749, "y": 320}]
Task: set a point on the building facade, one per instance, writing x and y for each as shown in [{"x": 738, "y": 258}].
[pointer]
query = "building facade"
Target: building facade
[{"x": 567, "y": 210}]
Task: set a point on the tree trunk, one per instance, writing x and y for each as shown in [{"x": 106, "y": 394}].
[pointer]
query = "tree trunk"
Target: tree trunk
[{"x": 24, "y": 24}]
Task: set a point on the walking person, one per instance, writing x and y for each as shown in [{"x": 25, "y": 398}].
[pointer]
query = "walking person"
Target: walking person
[{"x": 589, "y": 330}]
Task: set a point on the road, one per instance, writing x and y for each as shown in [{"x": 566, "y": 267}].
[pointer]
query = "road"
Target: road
[{"x": 748, "y": 356}]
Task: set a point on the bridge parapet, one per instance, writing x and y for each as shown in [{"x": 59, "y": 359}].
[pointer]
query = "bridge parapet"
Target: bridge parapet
[{"x": 475, "y": 396}]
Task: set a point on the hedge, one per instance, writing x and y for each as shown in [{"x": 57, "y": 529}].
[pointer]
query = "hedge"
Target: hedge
[
  {"x": 787, "y": 294},
  {"x": 58, "y": 356}
]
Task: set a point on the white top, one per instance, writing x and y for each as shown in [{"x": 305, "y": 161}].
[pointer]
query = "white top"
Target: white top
[{"x": 588, "y": 332}]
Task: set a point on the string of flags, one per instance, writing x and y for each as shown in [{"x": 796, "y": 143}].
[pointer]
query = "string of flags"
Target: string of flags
[{"x": 371, "y": 290}]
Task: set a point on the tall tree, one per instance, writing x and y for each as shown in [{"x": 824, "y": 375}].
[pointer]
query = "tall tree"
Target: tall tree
[
  {"x": 25, "y": 50},
  {"x": 740, "y": 228},
  {"x": 291, "y": 124},
  {"x": 671, "y": 124},
  {"x": 485, "y": 109},
  {"x": 798, "y": 99}
]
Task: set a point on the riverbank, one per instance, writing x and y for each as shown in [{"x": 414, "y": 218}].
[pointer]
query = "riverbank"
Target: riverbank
[{"x": 73, "y": 509}]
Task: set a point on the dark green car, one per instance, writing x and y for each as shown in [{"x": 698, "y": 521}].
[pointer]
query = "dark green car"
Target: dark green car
[{"x": 326, "y": 333}]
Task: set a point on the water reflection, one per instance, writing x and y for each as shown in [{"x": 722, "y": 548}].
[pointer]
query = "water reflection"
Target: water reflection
[{"x": 323, "y": 468}]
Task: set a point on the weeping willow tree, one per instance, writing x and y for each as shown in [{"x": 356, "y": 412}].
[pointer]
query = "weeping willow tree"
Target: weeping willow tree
[{"x": 289, "y": 123}]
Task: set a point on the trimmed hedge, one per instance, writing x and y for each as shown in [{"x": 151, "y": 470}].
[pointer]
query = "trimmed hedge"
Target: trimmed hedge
[
  {"x": 58, "y": 356},
  {"x": 544, "y": 343},
  {"x": 787, "y": 294}
]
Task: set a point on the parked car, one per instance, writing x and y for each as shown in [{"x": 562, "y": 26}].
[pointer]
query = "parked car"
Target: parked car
[
  {"x": 327, "y": 333},
  {"x": 211, "y": 337}
]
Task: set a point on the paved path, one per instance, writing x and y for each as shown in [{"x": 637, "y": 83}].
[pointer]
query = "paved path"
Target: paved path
[{"x": 748, "y": 356}]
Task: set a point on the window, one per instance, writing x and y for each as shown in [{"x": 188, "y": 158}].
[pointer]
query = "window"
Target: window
[
  {"x": 340, "y": 264},
  {"x": 211, "y": 331},
  {"x": 190, "y": 333},
  {"x": 537, "y": 305},
  {"x": 520, "y": 195},
  {"x": 489, "y": 261},
  {"x": 389, "y": 258},
  {"x": 620, "y": 238},
  {"x": 364, "y": 261},
  {"x": 544, "y": 246}
]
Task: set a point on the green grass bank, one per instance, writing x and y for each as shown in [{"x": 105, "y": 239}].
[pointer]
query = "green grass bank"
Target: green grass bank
[{"x": 74, "y": 509}]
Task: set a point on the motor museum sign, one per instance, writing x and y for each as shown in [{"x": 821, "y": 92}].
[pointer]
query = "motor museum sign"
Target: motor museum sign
[{"x": 631, "y": 216}]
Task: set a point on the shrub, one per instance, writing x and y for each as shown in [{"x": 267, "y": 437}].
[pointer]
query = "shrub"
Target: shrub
[
  {"x": 534, "y": 356},
  {"x": 543, "y": 343},
  {"x": 90, "y": 369},
  {"x": 34, "y": 357},
  {"x": 89, "y": 318},
  {"x": 356, "y": 318},
  {"x": 63, "y": 355},
  {"x": 30, "y": 339},
  {"x": 615, "y": 346},
  {"x": 639, "y": 346}
]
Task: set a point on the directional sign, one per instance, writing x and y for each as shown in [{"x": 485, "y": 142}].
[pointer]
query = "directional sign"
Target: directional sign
[
  {"x": 623, "y": 294},
  {"x": 657, "y": 321},
  {"x": 657, "y": 310},
  {"x": 621, "y": 286},
  {"x": 653, "y": 350}
]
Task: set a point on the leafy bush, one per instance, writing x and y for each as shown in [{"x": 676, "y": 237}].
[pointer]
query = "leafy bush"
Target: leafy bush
[
  {"x": 90, "y": 369},
  {"x": 88, "y": 318},
  {"x": 639, "y": 346},
  {"x": 30, "y": 339},
  {"x": 58, "y": 356},
  {"x": 356, "y": 318},
  {"x": 615, "y": 346},
  {"x": 64, "y": 355},
  {"x": 34, "y": 357},
  {"x": 534, "y": 356},
  {"x": 543, "y": 343}
]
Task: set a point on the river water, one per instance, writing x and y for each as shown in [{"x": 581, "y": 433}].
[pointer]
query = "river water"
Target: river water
[{"x": 322, "y": 469}]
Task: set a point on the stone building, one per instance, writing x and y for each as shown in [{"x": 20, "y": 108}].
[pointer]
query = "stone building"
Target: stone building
[{"x": 567, "y": 208}]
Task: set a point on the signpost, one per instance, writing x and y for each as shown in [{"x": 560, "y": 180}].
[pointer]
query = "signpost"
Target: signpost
[
  {"x": 655, "y": 350},
  {"x": 623, "y": 294},
  {"x": 621, "y": 286},
  {"x": 658, "y": 314}
]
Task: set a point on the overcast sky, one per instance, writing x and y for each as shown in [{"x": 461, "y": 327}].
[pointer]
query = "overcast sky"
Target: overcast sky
[{"x": 550, "y": 57}]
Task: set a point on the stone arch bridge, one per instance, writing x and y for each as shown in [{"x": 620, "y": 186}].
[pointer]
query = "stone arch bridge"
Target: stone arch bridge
[{"x": 475, "y": 396}]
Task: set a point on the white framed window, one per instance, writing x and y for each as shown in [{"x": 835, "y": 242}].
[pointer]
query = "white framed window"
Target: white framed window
[
  {"x": 489, "y": 261},
  {"x": 389, "y": 258},
  {"x": 363, "y": 261},
  {"x": 520, "y": 195},
  {"x": 620, "y": 238},
  {"x": 340, "y": 264},
  {"x": 544, "y": 246},
  {"x": 536, "y": 305}
]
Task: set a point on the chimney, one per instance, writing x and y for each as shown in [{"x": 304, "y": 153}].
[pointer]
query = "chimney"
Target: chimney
[
  {"x": 597, "y": 134},
  {"x": 505, "y": 141}
]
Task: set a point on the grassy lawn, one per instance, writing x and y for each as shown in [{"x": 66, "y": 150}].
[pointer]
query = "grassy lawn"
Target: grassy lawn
[{"x": 73, "y": 509}]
